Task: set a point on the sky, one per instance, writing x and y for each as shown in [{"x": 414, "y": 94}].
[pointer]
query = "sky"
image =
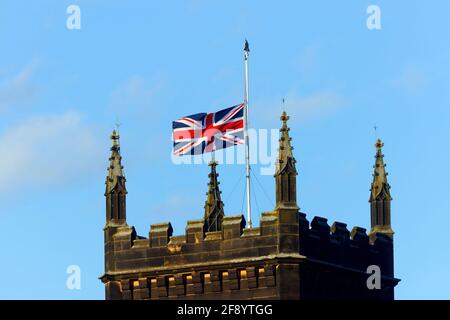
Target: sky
[{"x": 144, "y": 64}]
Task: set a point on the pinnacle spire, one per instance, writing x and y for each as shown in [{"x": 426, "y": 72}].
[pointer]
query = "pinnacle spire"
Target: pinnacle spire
[
  {"x": 380, "y": 187},
  {"x": 115, "y": 186},
  {"x": 285, "y": 174},
  {"x": 285, "y": 155},
  {"x": 115, "y": 169},
  {"x": 213, "y": 205},
  {"x": 380, "y": 196}
]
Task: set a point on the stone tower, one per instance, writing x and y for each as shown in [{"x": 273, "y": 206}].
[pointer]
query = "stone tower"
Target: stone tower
[{"x": 286, "y": 257}]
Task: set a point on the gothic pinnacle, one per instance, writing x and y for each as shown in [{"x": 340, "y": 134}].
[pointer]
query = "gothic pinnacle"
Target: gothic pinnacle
[
  {"x": 379, "y": 183},
  {"x": 213, "y": 205},
  {"x": 115, "y": 169},
  {"x": 285, "y": 175},
  {"x": 285, "y": 149}
]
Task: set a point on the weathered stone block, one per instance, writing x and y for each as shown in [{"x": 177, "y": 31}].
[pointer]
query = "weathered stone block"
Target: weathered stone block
[
  {"x": 195, "y": 231},
  {"x": 320, "y": 225},
  {"x": 340, "y": 231},
  {"x": 233, "y": 226},
  {"x": 160, "y": 234}
]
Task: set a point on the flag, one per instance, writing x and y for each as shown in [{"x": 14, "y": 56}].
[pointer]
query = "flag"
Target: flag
[{"x": 206, "y": 132}]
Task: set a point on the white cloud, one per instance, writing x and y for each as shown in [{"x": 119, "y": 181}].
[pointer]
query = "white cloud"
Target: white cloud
[
  {"x": 301, "y": 108},
  {"x": 136, "y": 95},
  {"x": 18, "y": 89},
  {"x": 307, "y": 62},
  {"x": 411, "y": 79},
  {"x": 48, "y": 150}
]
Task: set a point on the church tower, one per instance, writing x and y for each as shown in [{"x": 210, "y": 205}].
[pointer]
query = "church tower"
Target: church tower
[
  {"x": 285, "y": 257},
  {"x": 285, "y": 175},
  {"x": 380, "y": 196},
  {"x": 115, "y": 187},
  {"x": 213, "y": 205}
]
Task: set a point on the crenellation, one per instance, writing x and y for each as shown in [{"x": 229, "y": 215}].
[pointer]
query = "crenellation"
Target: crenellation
[
  {"x": 359, "y": 235},
  {"x": 124, "y": 238},
  {"x": 233, "y": 227},
  {"x": 303, "y": 223},
  {"x": 339, "y": 231},
  {"x": 160, "y": 234},
  {"x": 268, "y": 223},
  {"x": 332, "y": 244},
  {"x": 381, "y": 239},
  {"x": 195, "y": 231},
  {"x": 320, "y": 226}
]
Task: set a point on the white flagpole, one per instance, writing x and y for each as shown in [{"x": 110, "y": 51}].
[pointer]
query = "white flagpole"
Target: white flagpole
[{"x": 247, "y": 146}]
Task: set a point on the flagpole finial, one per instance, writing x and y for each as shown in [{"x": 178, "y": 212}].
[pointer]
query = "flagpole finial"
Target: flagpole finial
[{"x": 246, "y": 47}]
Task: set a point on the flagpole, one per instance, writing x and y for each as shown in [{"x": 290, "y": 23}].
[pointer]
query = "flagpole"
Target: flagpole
[
  {"x": 213, "y": 155},
  {"x": 247, "y": 145}
]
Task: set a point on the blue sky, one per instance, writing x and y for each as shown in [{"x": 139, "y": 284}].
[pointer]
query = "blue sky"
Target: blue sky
[{"x": 148, "y": 63}]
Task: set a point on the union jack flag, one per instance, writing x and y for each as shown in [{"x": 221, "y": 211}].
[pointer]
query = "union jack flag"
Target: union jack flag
[{"x": 206, "y": 132}]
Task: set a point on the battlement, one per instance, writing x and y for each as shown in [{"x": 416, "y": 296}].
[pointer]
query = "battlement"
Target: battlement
[
  {"x": 163, "y": 257},
  {"x": 317, "y": 241},
  {"x": 355, "y": 250}
]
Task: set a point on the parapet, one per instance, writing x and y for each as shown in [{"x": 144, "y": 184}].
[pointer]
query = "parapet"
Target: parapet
[
  {"x": 316, "y": 241},
  {"x": 354, "y": 250}
]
